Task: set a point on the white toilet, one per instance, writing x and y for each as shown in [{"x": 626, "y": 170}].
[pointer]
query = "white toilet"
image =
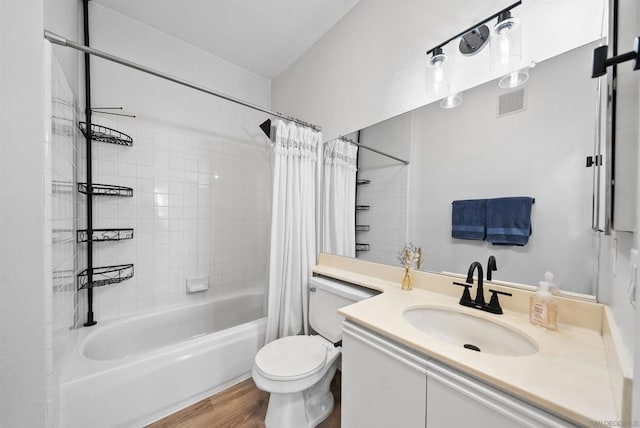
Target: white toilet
[{"x": 297, "y": 370}]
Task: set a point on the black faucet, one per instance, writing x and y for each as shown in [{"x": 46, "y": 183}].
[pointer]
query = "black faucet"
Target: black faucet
[
  {"x": 491, "y": 266},
  {"x": 479, "y": 302}
]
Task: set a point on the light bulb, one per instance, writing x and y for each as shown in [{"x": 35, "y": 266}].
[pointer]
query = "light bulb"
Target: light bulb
[
  {"x": 437, "y": 72},
  {"x": 504, "y": 27},
  {"x": 506, "y": 44}
]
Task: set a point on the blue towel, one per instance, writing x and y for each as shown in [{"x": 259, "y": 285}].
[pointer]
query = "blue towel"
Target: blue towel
[
  {"x": 468, "y": 218},
  {"x": 509, "y": 220}
]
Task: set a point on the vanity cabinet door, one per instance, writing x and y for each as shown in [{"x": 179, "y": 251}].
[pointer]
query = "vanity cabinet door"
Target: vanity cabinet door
[
  {"x": 383, "y": 385},
  {"x": 456, "y": 400}
]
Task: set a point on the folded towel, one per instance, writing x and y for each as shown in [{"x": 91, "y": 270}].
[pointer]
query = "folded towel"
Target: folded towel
[
  {"x": 509, "y": 220},
  {"x": 468, "y": 219}
]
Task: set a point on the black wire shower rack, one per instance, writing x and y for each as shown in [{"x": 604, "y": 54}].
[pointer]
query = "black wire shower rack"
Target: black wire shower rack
[
  {"x": 106, "y": 135},
  {"x": 105, "y": 190},
  {"x": 104, "y": 235},
  {"x": 105, "y": 275}
]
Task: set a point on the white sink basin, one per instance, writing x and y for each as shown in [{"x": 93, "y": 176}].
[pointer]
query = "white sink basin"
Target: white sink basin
[{"x": 470, "y": 332}]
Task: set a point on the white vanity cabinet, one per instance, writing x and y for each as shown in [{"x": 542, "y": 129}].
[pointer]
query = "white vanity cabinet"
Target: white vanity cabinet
[
  {"x": 383, "y": 385},
  {"x": 386, "y": 385},
  {"x": 457, "y": 400}
]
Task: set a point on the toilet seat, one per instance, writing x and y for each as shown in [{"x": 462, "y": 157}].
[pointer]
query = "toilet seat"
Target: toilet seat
[{"x": 291, "y": 358}]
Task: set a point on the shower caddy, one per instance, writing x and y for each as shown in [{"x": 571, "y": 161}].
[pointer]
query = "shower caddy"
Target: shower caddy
[
  {"x": 360, "y": 248},
  {"x": 103, "y": 275}
]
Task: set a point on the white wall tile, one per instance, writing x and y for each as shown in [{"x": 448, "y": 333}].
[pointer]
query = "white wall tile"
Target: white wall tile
[
  {"x": 196, "y": 211},
  {"x": 62, "y": 262}
]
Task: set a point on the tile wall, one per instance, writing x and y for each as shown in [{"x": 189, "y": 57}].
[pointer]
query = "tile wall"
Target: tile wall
[
  {"x": 387, "y": 197},
  {"x": 200, "y": 208},
  {"x": 62, "y": 257}
]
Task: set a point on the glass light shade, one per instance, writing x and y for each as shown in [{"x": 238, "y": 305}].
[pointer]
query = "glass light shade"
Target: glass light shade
[
  {"x": 438, "y": 73},
  {"x": 452, "y": 101},
  {"x": 506, "y": 44},
  {"x": 514, "y": 79}
]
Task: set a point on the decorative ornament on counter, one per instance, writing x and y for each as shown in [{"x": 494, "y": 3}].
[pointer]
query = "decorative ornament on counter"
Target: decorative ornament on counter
[{"x": 410, "y": 258}]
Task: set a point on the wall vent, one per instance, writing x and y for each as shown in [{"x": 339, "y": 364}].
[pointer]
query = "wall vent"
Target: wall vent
[{"x": 512, "y": 102}]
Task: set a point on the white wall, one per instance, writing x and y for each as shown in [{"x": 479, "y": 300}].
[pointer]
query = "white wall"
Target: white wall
[
  {"x": 65, "y": 18},
  {"x": 470, "y": 153},
  {"x": 371, "y": 65},
  {"x": 152, "y": 98},
  {"x": 25, "y": 302}
]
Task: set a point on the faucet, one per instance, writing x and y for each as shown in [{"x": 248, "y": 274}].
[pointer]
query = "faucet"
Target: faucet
[
  {"x": 479, "y": 302},
  {"x": 491, "y": 266}
]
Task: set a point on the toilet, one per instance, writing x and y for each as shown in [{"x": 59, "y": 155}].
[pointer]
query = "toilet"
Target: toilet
[{"x": 297, "y": 370}]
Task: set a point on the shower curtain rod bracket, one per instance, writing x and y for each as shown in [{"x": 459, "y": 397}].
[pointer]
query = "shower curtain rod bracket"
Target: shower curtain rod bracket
[{"x": 266, "y": 128}]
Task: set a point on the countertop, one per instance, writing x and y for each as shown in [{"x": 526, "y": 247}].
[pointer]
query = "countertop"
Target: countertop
[{"x": 569, "y": 375}]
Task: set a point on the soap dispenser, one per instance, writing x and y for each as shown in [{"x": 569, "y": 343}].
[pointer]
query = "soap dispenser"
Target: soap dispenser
[{"x": 543, "y": 311}]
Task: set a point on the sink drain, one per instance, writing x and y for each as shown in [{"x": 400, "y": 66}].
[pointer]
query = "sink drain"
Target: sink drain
[{"x": 472, "y": 347}]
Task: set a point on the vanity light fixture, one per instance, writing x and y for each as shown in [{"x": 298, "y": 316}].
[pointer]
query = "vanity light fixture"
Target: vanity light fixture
[
  {"x": 601, "y": 62},
  {"x": 505, "y": 41},
  {"x": 437, "y": 72},
  {"x": 474, "y": 41},
  {"x": 506, "y": 50}
]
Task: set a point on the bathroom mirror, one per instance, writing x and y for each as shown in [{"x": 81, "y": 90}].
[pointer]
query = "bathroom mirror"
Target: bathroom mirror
[{"x": 529, "y": 141}]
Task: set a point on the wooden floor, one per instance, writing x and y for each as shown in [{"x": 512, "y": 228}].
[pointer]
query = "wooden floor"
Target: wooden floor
[{"x": 242, "y": 405}]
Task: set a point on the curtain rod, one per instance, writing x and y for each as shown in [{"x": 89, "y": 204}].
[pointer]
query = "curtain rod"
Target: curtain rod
[
  {"x": 373, "y": 150},
  {"x": 62, "y": 41}
]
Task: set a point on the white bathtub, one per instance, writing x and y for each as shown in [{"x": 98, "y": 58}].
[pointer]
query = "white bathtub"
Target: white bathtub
[{"x": 133, "y": 371}]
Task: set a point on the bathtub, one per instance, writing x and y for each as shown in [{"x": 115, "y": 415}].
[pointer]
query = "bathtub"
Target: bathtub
[{"x": 130, "y": 372}]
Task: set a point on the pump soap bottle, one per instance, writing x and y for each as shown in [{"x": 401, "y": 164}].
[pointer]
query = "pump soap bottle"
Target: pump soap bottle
[{"x": 543, "y": 311}]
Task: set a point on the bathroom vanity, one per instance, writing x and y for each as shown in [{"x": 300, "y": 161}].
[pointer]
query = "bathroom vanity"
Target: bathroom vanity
[
  {"x": 399, "y": 372},
  {"x": 386, "y": 384}
]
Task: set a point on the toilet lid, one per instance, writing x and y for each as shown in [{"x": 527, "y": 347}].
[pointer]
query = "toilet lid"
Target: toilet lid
[{"x": 291, "y": 358}]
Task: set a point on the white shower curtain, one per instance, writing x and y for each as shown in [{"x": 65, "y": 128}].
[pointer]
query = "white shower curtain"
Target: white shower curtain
[
  {"x": 293, "y": 227},
  {"x": 339, "y": 198}
]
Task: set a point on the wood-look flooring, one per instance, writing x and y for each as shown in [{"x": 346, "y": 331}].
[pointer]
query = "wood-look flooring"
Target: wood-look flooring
[{"x": 242, "y": 405}]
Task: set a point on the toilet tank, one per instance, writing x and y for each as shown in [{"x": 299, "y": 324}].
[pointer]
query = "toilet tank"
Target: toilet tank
[{"x": 326, "y": 296}]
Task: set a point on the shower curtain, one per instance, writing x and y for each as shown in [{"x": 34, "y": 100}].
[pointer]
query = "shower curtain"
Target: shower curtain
[
  {"x": 294, "y": 217},
  {"x": 339, "y": 198}
]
